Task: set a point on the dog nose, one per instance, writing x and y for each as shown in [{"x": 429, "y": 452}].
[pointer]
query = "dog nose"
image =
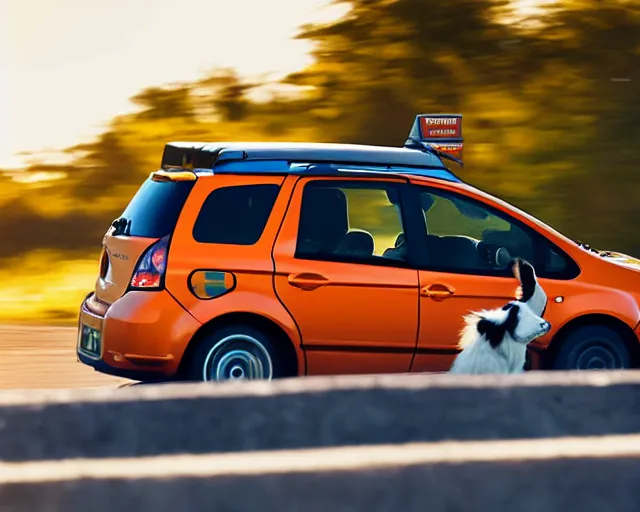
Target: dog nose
[{"x": 545, "y": 325}]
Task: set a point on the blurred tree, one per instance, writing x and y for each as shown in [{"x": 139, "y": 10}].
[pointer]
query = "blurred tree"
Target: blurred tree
[
  {"x": 104, "y": 164},
  {"x": 389, "y": 59},
  {"x": 227, "y": 94},
  {"x": 549, "y": 108},
  {"x": 35, "y": 221},
  {"x": 550, "y": 113},
  {"x": 600, "y": 43},
  {"x": 165, "y": 102},
  {"x": 23, "y": 229}
]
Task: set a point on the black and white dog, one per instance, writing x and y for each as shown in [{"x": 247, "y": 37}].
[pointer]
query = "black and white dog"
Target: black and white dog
[{"x": 495, "y": 341}]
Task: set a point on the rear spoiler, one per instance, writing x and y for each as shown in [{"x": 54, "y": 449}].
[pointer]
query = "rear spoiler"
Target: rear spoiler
[
  {"x": 189, "y": 155},
  {"x": 440, "y": 134}
]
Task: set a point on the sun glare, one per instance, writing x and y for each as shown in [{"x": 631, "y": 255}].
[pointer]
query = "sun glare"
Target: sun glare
[
  {"x": 531, "y": 8},
  {"x": 69, "y": 66}
]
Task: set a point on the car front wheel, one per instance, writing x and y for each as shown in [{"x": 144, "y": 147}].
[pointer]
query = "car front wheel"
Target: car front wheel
[
  {"x": 237, "y": 352},
  {"x": 593, "y": 347}
]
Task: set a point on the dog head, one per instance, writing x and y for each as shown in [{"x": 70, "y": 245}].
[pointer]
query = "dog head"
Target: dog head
[
  {"x": 514, "y": 321},
  {"x": 519, "y": 321},
  {"x": 529, "y": 290}
]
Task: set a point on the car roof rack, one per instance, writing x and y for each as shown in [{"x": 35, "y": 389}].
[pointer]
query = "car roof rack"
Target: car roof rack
[
  {"x": 231, "y": 162},
  {"x": 333, "y": 169},
  {"x": 432, "y": 138},
  {"x": 206, "y": 155}
]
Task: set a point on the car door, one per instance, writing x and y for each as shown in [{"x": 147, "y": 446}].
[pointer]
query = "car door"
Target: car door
[
  {"x": 353, "y": 298},
  {"x": 467, "y": 267}
]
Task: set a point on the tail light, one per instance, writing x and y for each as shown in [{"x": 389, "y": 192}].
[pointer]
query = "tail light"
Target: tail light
[{"x": 150, "y": 270}]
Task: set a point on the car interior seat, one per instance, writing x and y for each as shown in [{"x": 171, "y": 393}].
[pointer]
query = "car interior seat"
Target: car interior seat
[
  {"x": 357, "y": 242},
  {"x": 398, "y": 251},
  {"x": 515, "y": 240},
  {"x": 323, "y": 220},
  {"x": 453, "y": 251}
]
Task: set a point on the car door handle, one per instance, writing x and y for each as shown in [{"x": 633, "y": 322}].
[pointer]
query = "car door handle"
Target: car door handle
[
  {"x": 437, "y": 291},
  {"x": 307, "y": 281}
]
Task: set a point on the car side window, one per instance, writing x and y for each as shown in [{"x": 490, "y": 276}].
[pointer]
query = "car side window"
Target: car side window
[
  {"x": 467, "y": 236},
  {"x": 357, "y": 222},
  {"x": 235, "y": 215}
]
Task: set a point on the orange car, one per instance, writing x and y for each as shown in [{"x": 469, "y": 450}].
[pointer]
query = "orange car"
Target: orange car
[{"x": 260, "y": 261}]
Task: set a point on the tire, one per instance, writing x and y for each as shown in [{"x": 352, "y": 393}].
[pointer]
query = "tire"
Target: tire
[
  {"x": 593, "y": 347},
  {"x": 236, "y": 352}
]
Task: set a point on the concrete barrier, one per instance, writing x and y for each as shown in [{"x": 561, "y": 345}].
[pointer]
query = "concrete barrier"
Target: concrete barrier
[
  {"x": 529, "y": 476},
  {"x": 314, "y": 413},
  {"x": 479, "y": 443}
]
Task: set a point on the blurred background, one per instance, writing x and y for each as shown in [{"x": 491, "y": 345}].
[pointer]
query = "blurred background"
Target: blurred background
[{"x": 91, "y": 91}]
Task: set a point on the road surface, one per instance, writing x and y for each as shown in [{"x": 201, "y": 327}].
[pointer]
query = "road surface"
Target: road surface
[{"x": 44, "y": 358}]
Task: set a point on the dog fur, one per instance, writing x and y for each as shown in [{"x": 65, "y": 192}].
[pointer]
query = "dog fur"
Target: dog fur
[{"x": 495, "y": 341}]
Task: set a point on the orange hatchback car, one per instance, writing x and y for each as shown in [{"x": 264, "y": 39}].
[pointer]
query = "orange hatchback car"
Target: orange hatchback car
[{"x": 260, "y": 261}]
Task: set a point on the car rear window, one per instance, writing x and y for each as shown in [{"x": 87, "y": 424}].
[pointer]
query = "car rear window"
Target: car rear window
[
  {"x": 235, "y": 215},
  {"x": 155, "y": 208}
]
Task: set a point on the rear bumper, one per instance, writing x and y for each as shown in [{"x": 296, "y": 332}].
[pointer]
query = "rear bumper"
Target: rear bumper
[
  {"x": 143, "y": 335},
  {"x": 140, "y": 375}
]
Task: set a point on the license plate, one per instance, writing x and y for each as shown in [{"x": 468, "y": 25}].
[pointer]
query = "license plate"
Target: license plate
[{"x": 90, "y": 340}]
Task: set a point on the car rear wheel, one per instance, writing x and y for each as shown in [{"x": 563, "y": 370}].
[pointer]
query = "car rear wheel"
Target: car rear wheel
[
  {"x": 238, "y": 352},
  {"x": 593, "y": 347}
]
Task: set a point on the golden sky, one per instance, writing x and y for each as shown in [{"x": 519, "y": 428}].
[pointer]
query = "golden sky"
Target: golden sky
[{"x": 68, "y": 66}]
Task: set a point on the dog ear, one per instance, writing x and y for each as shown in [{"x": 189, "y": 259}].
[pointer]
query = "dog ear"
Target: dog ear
[
  {"x": 524, "y": 272},
  {"x": 515, "y": 267},
  {"x": 492, "y": 331}
]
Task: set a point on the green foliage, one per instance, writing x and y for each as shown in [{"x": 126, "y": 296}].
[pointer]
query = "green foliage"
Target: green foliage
[
  {"x": 551, "y": 116},
  {"x": 550, "y": 112}
]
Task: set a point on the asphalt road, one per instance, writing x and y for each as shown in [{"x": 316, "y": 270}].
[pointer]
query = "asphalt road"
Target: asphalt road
[{"x": 44, "y": 358}]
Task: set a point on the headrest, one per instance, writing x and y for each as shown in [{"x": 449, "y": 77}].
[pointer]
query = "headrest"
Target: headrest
[
  {"x": 324, "y": 218},
  {"x": 357, "y": 243},
  {"x": 324, "y": 197},
  {"x": 393, "y": 196}
]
